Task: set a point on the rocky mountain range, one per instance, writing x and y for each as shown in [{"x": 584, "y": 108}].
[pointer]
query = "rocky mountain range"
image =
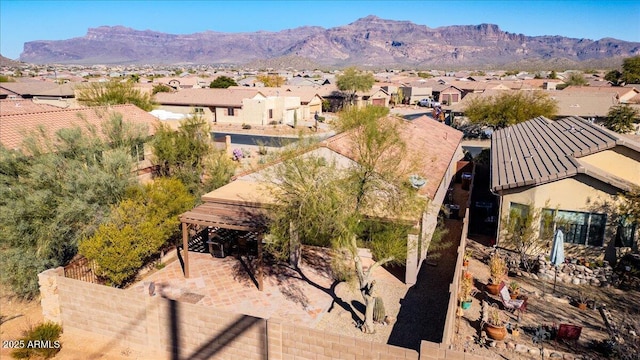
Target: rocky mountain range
[{"x": 370, "y": 41}]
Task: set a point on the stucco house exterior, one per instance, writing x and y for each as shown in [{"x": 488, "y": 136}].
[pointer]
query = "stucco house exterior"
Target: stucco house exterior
[
  {"x": 233, "y": 106},
  {"x": 572, "y": 171}
]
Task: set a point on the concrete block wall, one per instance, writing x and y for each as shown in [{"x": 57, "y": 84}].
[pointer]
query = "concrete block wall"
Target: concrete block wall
[
  {"x": 201, "y": 332},
  {"x": 105, "y": 311},
  {"x": 438, "y": 351},
  {"x": 179, "y": 330},
  {"x": 309, "y": 344}
]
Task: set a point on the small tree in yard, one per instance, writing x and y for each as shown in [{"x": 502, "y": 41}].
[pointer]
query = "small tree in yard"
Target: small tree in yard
[
  {"x": 222, "y": 82},
  {"x": 620, "y": 118},
  {"x": 323, "y": 203},
  {"x": 510, "y": 108},
  {"x": 113, "y": 93},
  {"x": 522, "y": 231},
  {"x": 353, "y": 80},
  {"x": 629, "y": 204}
]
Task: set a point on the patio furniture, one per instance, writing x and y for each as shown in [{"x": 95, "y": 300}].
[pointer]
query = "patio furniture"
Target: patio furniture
[
  {"x": 511, "y": 304},
  {"x": 216, "y": 247}
]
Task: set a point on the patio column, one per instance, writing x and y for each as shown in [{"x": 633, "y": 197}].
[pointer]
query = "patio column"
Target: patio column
[
  {"x": 185, "y": 248},
  {"x": 260, "y": 271}
]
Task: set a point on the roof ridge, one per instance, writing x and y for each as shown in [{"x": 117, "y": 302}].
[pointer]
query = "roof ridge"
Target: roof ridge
[{"x": 60, "y": 110}]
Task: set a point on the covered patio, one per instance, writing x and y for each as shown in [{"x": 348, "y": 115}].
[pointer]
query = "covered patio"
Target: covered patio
[{"x": 232, "y": 219}]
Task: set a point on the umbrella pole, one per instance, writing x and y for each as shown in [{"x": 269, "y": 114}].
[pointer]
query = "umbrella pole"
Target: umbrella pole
[{"x": 555, "y": 278}]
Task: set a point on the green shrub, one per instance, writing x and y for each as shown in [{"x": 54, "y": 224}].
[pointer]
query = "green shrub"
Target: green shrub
[
  {"x": 41, "y": 341},
  {"x": 246, "y": 126}
]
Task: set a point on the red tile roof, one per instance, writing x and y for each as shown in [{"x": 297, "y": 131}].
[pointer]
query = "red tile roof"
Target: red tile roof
[
  {"x": 429, "y": 143},
  {"x": 23, "y": 106},
  {"x": 206, "y": 97},
  {"x": 14, "y": 127}
]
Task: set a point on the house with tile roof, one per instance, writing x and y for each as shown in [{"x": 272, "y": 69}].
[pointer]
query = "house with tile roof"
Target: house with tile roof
[
  {"x": 310, "y": 99},
  {"x": 16, "y": 125},
  {"x": 236, "y": 105},
  {"x": 434, "y": 150},
  {"x": 38, "y": 88},
  {"x": 573, "y": 171}
]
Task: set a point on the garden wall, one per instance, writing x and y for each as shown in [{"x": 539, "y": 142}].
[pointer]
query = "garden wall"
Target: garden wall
[{"x": 180, "y": 330}]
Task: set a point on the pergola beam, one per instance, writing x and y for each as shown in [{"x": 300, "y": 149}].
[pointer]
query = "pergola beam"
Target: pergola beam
[{"x": 185, "y": 248}]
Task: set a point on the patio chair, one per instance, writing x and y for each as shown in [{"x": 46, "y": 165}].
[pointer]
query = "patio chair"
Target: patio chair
[
  {"x": 216, "y": 247},
  {"x": 511, "y": 304}
]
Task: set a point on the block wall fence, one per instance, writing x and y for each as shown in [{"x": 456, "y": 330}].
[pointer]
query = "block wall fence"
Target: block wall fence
[{"x": 178, "y": 330}]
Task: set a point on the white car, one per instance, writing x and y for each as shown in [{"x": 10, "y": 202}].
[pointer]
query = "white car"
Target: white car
[{"x": 428, "y": 103}]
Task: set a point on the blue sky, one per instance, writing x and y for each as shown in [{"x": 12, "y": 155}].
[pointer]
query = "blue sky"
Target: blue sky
[{"x": 23, "y": 20}]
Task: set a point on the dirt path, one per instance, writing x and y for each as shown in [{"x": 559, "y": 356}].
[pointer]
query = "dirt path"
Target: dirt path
[{"x": 17, "y": 317}]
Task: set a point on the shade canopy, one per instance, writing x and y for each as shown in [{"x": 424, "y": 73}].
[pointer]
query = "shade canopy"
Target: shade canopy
[{"x": 557, "y": 250}]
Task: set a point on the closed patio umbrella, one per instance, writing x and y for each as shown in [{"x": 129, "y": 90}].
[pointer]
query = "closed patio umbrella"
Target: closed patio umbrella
[{"x": 557, "y": 254}]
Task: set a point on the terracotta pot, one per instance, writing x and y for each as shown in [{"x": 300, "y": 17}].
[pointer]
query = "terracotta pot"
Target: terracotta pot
[
  {"x": 493, "y": 289},
  {"x": 582, "y": 306},
  {"x": 465, "y": 263},
  {"x": 514, "y": 295},
  {"x": 495, "y": 332}
]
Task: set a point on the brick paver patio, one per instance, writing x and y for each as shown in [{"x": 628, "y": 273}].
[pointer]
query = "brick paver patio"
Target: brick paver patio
[{"x": 224, "y": 283}]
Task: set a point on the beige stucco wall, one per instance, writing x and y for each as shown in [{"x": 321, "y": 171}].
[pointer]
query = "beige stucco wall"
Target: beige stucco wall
[
  {"x": 578, "y": 193},
  {"x": 620, "y": 161},
  {"x": 222, "y": 117},
  {"x": 309, "y": 110}
]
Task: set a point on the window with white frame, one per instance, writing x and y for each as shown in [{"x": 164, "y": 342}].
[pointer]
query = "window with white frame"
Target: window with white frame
[{"x": 137, "y": 151}]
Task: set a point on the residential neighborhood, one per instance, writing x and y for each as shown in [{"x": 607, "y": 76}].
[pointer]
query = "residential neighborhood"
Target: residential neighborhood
[{"x": 373, "y": 228}]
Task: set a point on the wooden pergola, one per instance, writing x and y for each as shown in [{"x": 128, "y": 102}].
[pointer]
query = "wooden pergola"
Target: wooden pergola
[{"x": 230, "y": 207}]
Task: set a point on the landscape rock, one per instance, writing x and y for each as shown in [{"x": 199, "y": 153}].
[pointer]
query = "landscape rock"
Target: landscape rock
[{"x": 522, "y": 348}]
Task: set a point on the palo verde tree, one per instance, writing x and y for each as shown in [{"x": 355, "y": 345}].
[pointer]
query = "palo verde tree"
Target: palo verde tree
[
  {"x": 367, "y": 203},
  {"x": 621, "y": 118},
  {"x": 113, "y": 93},
  {"x": 576, "y": 79},
  {"x": 55, "y": 191},
  {"x": 222, "y": 82},
  {"x": 629, "y": 205},
  {"x": 510, "y": 108},
  {"x": 271, "y": 80},
  {"x": 188, "y": 155},
  {"x": 527, "y": 230},
  {"x": 353, "y": 80}
]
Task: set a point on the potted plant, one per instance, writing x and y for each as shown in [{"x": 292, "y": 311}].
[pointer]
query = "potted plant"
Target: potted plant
[
  {"x": 495, "y": 325},
  {"x": 515, "y": 332},
  {"x": 582, "y": 300},
  {"x": 467, "y": 256},
  {"x": 466, "y": 290},
  {"x": 498, "y": 270},
  {"x": 514, "y": 289}
]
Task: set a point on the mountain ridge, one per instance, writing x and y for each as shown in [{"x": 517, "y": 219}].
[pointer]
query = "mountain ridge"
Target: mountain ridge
[{"x": 369, "y": 41}]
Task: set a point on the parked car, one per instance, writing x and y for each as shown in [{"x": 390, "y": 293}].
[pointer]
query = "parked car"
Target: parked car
[{"x": 428, "y": 103}]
